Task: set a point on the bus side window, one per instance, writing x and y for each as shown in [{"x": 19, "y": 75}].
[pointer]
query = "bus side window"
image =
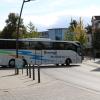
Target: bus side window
[
  {"x": 58, "y": 45},
  {"x": 70, "y": 47},
  {"x": 23, "y": 45},
  {"x": 47, "y": 45},
  {"x": 32, "y": 44},
  {"x": 39, "y": 45},
  {"x": 2, "y": 44},
  {"x": 9, "y": 44}
]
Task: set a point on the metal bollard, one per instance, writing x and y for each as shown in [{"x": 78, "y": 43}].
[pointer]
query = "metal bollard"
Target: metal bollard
[
  {"x": 22, "y": 70},
  {"x": 17, "y": 71},
  {"x": 29, "y": 71},
  {"x": 38, "y": 74},
  {"x": 33, "y": 72}
]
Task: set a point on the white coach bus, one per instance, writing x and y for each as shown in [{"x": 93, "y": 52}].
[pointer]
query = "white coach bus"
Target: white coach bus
[{"x": 37, "y": 51}]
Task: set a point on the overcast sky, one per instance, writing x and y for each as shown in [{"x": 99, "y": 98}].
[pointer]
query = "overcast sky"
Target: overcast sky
[{"x": 46, "y": 14}]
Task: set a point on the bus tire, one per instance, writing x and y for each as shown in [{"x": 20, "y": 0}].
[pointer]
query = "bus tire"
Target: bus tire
[
  {"x": 68, "y": 61},
  {"x": 57, "y": 64},
  {"x": 11, "y": 63},
  {"x": 62, "y": 64}
]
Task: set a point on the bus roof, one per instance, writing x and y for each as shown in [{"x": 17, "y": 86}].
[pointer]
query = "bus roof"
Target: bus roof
[{"x": 41, "y": 39}]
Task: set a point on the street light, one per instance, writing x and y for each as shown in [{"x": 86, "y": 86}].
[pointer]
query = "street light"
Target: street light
[{"x": 17, "y": 34}]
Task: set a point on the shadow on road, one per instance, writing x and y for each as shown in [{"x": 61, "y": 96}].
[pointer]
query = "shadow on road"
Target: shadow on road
[
  {"x": 6, "y": 68},
  {"x": 53, "y": 66},
  {"x": 43, "y": 66},
  {"x": 7, "y": 75},
  {"x": 98, "y": 62},
  {"x": 97, "y": 69}
]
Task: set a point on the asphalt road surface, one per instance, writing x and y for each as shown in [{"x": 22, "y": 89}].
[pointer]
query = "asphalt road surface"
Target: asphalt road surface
[{"x": 57, "y": 83}]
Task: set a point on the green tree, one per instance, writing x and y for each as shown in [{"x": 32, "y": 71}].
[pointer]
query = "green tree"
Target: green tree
[
  {"x": 88, "y": 29},
  {"x": 69, "y": 34},
  {"x": 73, "y": 24},
  {"x": 9, "y": 30},
  {"x": 0, "y": 32},
  {"x": 31, "y": 28},
  {"x": 76, "y": 32},
  {"x": 31, "y": 31},
  {"x": 80, "y": 33}
]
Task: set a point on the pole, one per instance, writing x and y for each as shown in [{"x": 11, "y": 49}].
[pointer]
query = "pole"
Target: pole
[
  {"x": 29, "y": 71},
  {"x": 38, "y": 74},
  {"x": 33, "y": 73},
  {"x": 17, "y": 36}
]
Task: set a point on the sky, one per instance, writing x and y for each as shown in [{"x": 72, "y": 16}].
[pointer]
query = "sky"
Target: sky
[{"x": 46, "y": 14}]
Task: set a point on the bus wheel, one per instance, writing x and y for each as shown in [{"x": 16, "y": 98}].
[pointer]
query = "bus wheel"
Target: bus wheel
[
  {"x": 62, "y": 64},
  {"x": 11, "y": 63},
  {"x": 68, "y": 61},
  {"x": 57, "y": 64}
]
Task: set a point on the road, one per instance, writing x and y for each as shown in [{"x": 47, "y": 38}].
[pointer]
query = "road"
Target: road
[
  {"x": 57, "y": 83},
  {"x": 84, "y": 76}
]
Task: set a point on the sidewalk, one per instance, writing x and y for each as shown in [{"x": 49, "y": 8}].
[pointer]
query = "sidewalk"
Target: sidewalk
[
  {"x": 93, "y": 62},
  {"x": 8, "y": 79},
  {"x": 21, "y": 87}
]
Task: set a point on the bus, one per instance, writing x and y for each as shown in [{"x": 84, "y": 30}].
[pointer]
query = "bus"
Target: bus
[{"x": 38, "y": 51}]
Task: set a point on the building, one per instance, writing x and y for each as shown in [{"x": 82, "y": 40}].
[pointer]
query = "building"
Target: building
[
  {"x": 57, "y": 33},
  {"x": 54, "y": 33},
  {"x": 96, "y": 35},
  {"x": 95, "y": 23},
  {"x": 44, "y": 34}
]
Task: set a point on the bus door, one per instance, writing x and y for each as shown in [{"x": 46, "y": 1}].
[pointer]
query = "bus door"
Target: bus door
[{"x": 38, "y": 57}]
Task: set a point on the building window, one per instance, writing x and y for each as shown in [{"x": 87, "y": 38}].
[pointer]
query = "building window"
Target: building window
[{"x": 58, "y": 34}]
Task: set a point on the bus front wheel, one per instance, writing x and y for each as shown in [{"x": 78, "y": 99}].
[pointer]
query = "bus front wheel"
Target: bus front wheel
[
  {"x": 68, "y": 61},
  {"x": 11, "y": 63}
]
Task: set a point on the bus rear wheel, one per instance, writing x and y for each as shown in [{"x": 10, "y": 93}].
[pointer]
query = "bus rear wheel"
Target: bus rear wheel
[
  {"x": 68, "y": 61},
  {"x": 11, "y": 63}
]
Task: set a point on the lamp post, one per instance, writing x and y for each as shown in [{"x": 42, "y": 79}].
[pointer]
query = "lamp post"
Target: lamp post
[{"x": 17, "y": 34}]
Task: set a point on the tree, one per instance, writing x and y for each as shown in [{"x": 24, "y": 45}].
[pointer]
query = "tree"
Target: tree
[
  {"x": 31, "y": 27},
  {"x": 69, "y": 34},
  {"x": 80, "y": 33},
  {"x": 31, "y": 31},
  {"x": 73, "y": 24},
  {"x": 76, "y": 32},
  {"x": 88, "y": 29},
  {"x": 9, "y": 30},
  {"x": 0, "y": 33}
]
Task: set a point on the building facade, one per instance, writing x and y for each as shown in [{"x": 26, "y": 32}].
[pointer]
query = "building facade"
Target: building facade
[
  {"x": 96, "y": 35},
  {"x": 57, "y": 33},
  {"x": 44, "y": 34},
  {"x": 54, "y": 33}
]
